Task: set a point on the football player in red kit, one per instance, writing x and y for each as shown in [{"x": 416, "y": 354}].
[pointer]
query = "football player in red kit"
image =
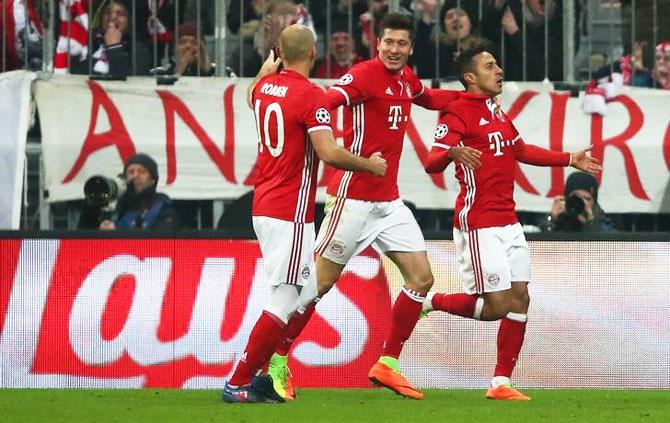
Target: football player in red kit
[
  {"x": 494, "y": 260},
  {"x": 363, "y": 210},
  {"x": 293, "y": 125}
]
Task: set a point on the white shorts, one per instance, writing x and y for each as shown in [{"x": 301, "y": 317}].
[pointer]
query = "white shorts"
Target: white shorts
[
  {"x": 350, "y": 226},
  {"x": 490, "y": 259},
  {"x": 288, "y": 250}
]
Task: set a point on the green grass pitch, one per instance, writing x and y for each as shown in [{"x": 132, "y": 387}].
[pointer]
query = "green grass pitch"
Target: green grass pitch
[{"x": 332, "y": 405}]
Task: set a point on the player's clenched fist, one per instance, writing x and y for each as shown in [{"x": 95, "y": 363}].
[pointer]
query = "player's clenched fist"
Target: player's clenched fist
[
  {"x": 377, "y": 164},
  {"x": 466, "y": 155}
]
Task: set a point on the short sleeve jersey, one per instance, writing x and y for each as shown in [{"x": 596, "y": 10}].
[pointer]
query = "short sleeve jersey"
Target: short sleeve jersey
[
  {"x": 377, "y": 109},
  {"x": 287, "y": 107},
  {"x": 487, "y": 193}
]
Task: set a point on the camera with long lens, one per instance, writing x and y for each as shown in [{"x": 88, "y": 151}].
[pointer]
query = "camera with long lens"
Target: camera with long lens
[
  {"x": 569, "y": 219},
  {"x": 100, "y": 191},
  {"x": 574, "y": 205}
]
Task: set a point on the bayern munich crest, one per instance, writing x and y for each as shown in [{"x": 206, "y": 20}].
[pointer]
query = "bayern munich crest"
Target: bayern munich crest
[
  {"x": 322, "y": 115},
  {"x": 441, "y": 131},
  {"x": 345, "y": 79}
]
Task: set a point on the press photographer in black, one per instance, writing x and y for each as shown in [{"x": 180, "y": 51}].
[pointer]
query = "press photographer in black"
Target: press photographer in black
[
  {"x": 139, "y": 207},
  {"x": 578, "y": 210}
]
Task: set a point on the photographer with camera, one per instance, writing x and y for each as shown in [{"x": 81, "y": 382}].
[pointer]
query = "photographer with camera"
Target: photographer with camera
[
  {"x": 578, "y": 210},
  {"x": 139, "y": 206}
]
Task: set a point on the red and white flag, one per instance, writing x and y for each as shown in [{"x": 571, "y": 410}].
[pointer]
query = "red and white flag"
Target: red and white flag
[{"x": 73, "y": 34}]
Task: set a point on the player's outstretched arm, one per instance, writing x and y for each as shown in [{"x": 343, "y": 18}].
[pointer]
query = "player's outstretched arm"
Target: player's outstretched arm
[
  {"x": 331, "y": 153},
  {"x": 583, "y": 161},
  {"x": 538, "y": 156},
  {"x": 270, "y": 65},
  {"x": 435, "y": 98}
]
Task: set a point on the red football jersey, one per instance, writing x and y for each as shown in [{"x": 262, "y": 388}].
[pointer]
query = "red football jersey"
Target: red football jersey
[
  {"x": 487, "y": 193},
  {"x": 287, "y": 107},
  {"x": 378, "y": 106}
]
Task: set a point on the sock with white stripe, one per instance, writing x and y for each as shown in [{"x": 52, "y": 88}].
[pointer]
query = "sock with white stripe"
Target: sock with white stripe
[
  {"x": 465, "y": 305},
  {"x": 294, "y": 328},
  {"x": 406, "y": 312},
  {"x": 510, "y": 340}
]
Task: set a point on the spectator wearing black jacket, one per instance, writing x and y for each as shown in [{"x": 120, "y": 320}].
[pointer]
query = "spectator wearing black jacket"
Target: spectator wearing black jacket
[
  {"x": 141, "y": 207},
  {"x": 114, "y": 54}
]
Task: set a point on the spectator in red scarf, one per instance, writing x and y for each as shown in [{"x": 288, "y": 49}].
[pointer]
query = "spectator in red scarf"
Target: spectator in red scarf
[
  {"x": 112, "y": 47},
  {"x": 20, "y": 33}
]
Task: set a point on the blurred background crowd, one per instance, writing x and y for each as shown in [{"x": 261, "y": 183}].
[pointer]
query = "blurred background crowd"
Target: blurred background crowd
[{"x": 562, "y": 41}]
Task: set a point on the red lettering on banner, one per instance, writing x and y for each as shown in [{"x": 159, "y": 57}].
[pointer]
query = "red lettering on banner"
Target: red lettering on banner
[
  {"x": 224, "y": 161},
  {"x": 559, "y": 104},
  {"x": 619, "y": 141},
  {"x": 117, "y": 307},
  {"x": 117, "y": 135},
  {"x": 514, "y": 110},
  {"x": 666, "y": 147},
  {"x": 9, "y": 259},
  {"x": 422, "y": 153},
  {"x": 169, "y": 315}
]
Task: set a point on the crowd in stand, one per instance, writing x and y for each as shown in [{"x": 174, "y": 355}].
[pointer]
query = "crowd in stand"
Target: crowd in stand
[
  {"x": 170, "y": 37},
  {"x": 119, "y": 38}
]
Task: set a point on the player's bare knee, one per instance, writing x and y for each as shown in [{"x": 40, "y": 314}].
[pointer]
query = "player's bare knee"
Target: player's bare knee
[
  {"x": 520, "y": 297},
  {"x": 423, "y": 283}
]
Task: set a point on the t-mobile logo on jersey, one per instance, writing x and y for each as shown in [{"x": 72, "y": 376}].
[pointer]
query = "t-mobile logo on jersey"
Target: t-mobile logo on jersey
[
  {"x": 395, "y": 116},
  {"x": 496, "y": 143}
]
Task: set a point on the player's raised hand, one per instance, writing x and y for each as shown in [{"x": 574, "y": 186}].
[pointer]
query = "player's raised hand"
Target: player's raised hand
[
  {"x": 270, "y": 65},
  {"x": 377, "y": 164},
  {"x": 583, "y": 161},
  {"x": 467, "y": 155}
]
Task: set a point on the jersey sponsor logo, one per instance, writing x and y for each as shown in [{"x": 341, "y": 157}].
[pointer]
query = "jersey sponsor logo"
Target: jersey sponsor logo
[
  {"x": 322, "y": 115},
  {"x": 441, "y": 131},
  {"x": 395, "y": 116},
  {"x": 345, "y": 79},
  {"x": 497, "y": 143},
  {"x": 483, "y": 122},
  {"x": 274, "y": 90}
]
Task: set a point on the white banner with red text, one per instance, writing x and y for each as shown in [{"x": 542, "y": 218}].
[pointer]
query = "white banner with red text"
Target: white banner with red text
[
  {"x": 15, "y": 115},
  {"x": 203, "y": 136},
  {"x": 171, "y": 313}
]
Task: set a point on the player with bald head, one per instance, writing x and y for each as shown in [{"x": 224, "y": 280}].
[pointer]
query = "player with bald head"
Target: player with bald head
[
  {"x": 293, "y": 126},
  {"x": 297, "y": 44}
]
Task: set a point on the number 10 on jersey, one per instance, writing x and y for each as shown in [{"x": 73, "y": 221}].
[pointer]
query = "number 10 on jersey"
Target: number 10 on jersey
[{"x": 266, "y": 136}]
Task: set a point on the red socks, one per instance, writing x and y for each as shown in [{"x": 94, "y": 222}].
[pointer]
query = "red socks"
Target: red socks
[
  {"x": 510, "y": 339},
  {"x": 262, "y": 342},
  {"x": 294, "y": 328},
  {"x": 406, "y": 312},
  {"x": 458, "y": 304}
]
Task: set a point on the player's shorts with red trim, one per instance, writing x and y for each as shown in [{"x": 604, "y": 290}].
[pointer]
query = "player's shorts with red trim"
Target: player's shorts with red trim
[
  {"x": 350, "y": 226},
  {"x": 287, "y": 249},
  {"x": 490, "y": 259}
]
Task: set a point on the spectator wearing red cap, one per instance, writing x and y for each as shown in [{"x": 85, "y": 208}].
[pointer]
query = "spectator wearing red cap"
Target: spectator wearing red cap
[{"x": 191, "y": 56}]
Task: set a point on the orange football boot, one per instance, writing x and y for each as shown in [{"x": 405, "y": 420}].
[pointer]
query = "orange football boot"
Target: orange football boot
[
  {"x": 506, "y": 392},
  {"x": 382, "y": 375}
]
